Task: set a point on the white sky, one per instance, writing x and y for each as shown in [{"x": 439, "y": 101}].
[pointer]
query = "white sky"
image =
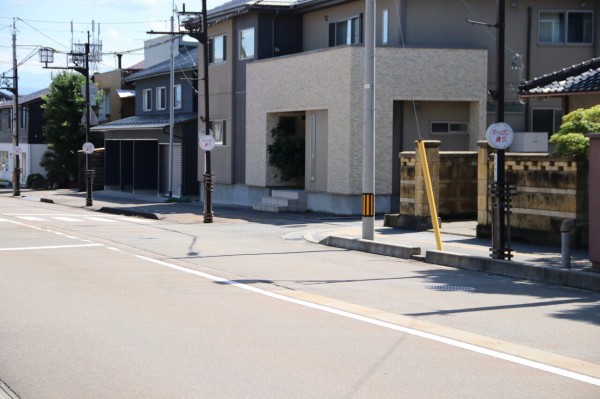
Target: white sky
[{"x": 47, "y": 23}]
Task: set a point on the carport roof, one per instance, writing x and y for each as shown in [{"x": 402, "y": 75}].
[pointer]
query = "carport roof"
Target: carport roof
[{"x": 145, "y": 122}]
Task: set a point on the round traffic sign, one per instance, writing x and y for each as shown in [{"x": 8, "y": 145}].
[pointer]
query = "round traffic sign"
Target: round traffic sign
[
  {"x": 499, "y": 135},
  {"x": 88, "y": 148},
  {"x": 206, "y": 142}
]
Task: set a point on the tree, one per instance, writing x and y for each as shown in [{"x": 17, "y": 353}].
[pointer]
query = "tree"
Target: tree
[
  {"x": 63, "y": 107},
  {"x": 570, "y": 138}
]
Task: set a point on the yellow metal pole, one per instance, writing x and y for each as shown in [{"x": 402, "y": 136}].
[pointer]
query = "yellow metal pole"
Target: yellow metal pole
[{"x": 430, "y": 198}]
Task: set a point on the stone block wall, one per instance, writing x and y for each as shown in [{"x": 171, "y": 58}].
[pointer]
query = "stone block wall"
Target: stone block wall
[
  {"x": 458, "y": 184},
  {"x": 454, "y": 183},
  {"x": 549, "y": 190}
]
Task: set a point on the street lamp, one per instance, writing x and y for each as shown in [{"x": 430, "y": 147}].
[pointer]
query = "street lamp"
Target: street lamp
[
  {"x": 46, "y": 55},
  {"x": 197, "y": 27}
]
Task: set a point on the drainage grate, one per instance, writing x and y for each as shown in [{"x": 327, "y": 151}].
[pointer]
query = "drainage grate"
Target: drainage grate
[{"x": 438, "y": 287}]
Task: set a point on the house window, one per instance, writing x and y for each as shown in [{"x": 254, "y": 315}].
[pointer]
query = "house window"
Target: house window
[
  {"x": 348, "y": 31},
  {"x": 217, "y": 47},
  {"x": 104, "y": 106},
  {"x": 449, "y": 127},
  {"x": 23, "y": 121},
  {"x": 177, "y": 96},
  {"x": 3, "y": 161},
  {"x": 313, "y": 147},
  {"x": 217, "y": 126},
  {"x": 147, "y": 103},
  {"x": 566, "y": 27},
  {"x": 246, "y": 43},
  {"x": 161, "y": 98},
  {"x": 385, "y": 26},
  {"x": 546, "y": 120}
]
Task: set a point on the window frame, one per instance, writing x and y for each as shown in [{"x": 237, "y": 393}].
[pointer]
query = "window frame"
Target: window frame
[
  {"x": 147, "y": 100},
  {"x": 241, "y": 44},
  {"x": 334, "y": 40},
  {"x": 563, "y": 27},
  {"x": 161, "y": 98},
  {"x": 177, "y": 96},
  {"x": 211, "y": 50},
  {"x": 385, "y": 26},
  {"x": 219, "y": 141},
  {"x": 24, "y": 112},
  {"x": 449, "y": 125}
]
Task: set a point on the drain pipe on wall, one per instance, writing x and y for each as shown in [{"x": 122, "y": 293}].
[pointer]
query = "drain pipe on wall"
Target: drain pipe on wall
[{"x": 565, "y": 239}]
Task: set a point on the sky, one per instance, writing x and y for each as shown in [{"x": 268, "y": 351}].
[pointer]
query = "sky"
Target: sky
[{"x": 121, "y": 26}]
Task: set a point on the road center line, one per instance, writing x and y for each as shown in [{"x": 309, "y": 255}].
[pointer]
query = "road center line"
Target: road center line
[
  {"x": 50, "y": 247},
  {"x": 397, "y": 327}
]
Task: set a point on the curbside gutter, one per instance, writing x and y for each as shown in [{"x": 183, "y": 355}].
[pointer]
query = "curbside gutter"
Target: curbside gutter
[
  {"x": 130, "y": 212},
  {"x": 545, "y": 274}
]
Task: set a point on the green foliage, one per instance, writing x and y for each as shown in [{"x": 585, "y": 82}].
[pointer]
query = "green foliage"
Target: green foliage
[
  {"x": 36, "y": 181},
  {"x": 570, "y": 138},
  {"x": 287, "y": 151},
  {"x": 575, "y": 144},
  {"x": 63, "y": 107}
]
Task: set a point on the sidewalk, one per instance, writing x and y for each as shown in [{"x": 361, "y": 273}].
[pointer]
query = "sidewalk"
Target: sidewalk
[{"x": 461, "y": 248}]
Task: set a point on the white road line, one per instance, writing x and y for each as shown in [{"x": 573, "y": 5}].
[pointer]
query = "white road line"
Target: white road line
[
  {"x": 31, "y": 218},
  {"x": 66, "y": 219},
  {"x": 98, "y": 219},
  {"x": 391, "y": 326},
  {"x": 51, "y": 247}
]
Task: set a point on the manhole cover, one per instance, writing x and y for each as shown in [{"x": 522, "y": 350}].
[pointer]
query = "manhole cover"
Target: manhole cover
[{"x": 443, "y": 287}]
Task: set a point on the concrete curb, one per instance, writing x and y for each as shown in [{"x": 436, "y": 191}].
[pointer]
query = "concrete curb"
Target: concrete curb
[
  {"x": 545, "y": 274},
  {"x": 359, "y": 244}
]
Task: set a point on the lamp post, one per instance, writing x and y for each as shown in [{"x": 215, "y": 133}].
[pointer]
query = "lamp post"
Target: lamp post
[
  {"x": 197, "y": 27},
  {"x": 47, "y": 57},
  {"x": 500, "y": 190}
]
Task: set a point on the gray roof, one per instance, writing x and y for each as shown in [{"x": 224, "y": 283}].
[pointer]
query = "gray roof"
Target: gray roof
[
  {"x": 583, "y": 78},
  {"x": 145, "y": 122},
  {"x": 187, "y": 60},
  {"x": 33, "y": 96}
]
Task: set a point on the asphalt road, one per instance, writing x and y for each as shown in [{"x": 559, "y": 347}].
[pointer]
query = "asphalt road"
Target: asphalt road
[{"x": 97, "y": 306}]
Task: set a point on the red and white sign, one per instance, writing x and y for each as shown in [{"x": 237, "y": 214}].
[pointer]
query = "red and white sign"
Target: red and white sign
[
  {"x": 206, "y": 141},
  {"x": 500, "y": 135},
  {"x": 88, "y": 148}
]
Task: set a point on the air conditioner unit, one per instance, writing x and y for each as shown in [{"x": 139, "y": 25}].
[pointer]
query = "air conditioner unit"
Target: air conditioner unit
[{"x": 529, "y": 142}]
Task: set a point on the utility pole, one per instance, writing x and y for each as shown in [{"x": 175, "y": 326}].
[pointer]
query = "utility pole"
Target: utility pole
[
  {"x": 198, "y": 29},
  {"x": 368, "y": 184},
  {"x": 171, "y": 110},
  {"x": 15, "y": 118}
]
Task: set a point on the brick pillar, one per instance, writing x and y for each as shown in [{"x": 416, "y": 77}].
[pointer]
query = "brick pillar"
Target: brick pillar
[
  {"x": 594, "y": 200},
  {"x": 432, "y": 149},
  {"x": 483, "y": 152}
]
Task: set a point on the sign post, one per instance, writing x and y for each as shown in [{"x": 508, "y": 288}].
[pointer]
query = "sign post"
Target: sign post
[{"x": 500, "y": 136}]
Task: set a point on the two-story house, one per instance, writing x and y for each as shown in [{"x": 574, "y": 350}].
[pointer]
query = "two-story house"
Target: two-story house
[
  {"x": 141, "y": 155},
  {"x": 32, "y": 142},
  {"x": 435, "y": 77}
]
